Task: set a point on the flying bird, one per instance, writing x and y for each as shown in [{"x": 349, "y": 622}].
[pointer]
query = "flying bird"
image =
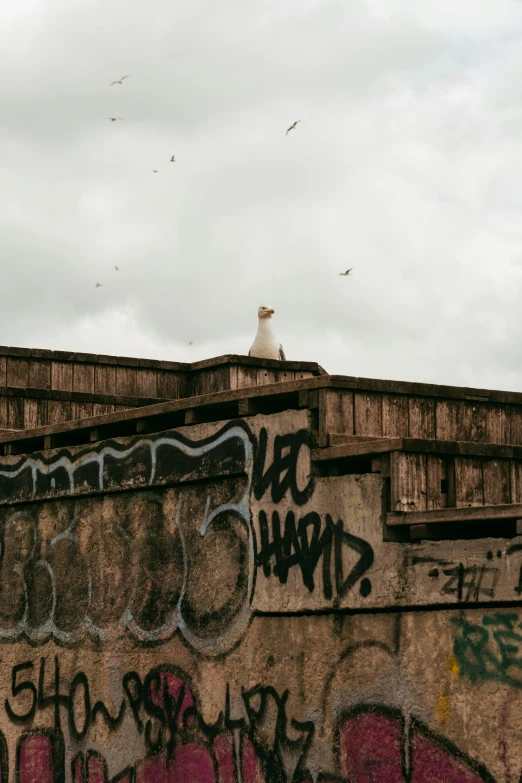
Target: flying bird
[
  {"x": 113, "y": 119},
  {"x": 116, "y": 268},
  {"x": 173, "y": 159},
  {"x": 155, "y": 171},
  {"x": 119, "y": 81},
  {"x": 344, "y": 274},
  {"x": 292, "y": 127},
  {"x": 266, "y": 345},
  {"x": 190, "y": 343},
  {"x": 98, "y": 285}
]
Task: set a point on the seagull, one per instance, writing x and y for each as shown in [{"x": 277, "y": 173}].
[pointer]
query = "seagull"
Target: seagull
[
  {"x": 292, "y": 127},
  {"x": 190, "y": 343},
  {"x": 265, "y": 345},
  {"x": 344, "y": 274},
  {"x": 113, "y": 119},
  {"x": 173, "y": 159},
  {"x": 98, "y": 285},
  {"x": 155, "y": 171},
  {"x": 116, "y": 268},
  {"x": 119, "y": 81}
]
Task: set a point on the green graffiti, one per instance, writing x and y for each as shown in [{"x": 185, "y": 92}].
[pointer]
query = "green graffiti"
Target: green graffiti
[{"x": 490, "y": 651}]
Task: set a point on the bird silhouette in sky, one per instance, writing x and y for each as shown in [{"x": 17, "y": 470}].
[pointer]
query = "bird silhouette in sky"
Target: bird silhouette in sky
[
  {"x": 113, "y": 119},
  {"x": 292, "y": 127},
  {"x": 116, "y": 268},
  {"x": 154, "y": 171},
  {"x": 344, "y": 274},
  {"x": 119, "y": 81},
  {"x": 173, "y": 159},
  {"x": 190, "y": 343},
  {"x": 98, "y": 285}
]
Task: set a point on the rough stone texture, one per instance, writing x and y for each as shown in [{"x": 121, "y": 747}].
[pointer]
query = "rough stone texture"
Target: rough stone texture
[{"x": 196, "y": 605}]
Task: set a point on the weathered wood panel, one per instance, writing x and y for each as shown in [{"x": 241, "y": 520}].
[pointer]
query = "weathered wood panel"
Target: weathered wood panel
[
  {"x": 246, "y": 376},
  {"x": 436, "y": 482},
  {"x": 421, "y": 417},
  {"x": 105, "y": 379},
  {"x": 126, "y": 381},
  {"x": 265, "y": 376},
  {"x": 83, "y": 378},
  {"x": 3, "y": 370},
  {"x": 335, "y": 413},
  {"x": 408, "y": 490},
  {"x": 100, "y": 409},
  {"x": 395, "y": 416},
  {"x": 368, "y": 413},
  {"x": 516, "y": 424},
  {"x": 171, "y": 385},
  {"x": 81, "y": 410},
  {"x": 58, "y": 411},
  {"x": 469, "y": 482},
  {"x": 146, "y": 383},
  {"x": 498, "y": 424},
  {"x": 35, "y": 413},
  {"x": 40, "y": 374},
  {"x": 497, "y": 482},
  {"x": 61, "y": 376},
  {"x": 4, "y": 416},
  {"x": 17, "y": 372},
  {"x": 15, "y": 413}
]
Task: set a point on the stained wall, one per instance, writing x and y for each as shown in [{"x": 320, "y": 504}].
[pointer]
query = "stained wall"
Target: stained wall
[{"x": 198, "y": 605}]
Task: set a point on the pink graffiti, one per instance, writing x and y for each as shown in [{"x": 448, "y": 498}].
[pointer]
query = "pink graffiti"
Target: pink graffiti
[{"x": 373, "y": 748}]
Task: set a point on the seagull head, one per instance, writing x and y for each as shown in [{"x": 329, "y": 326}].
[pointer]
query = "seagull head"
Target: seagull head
[{"x": 265, "y": 312}]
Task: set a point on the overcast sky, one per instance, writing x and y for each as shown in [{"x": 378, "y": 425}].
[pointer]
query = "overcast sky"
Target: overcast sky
[{"x": 407, "y": 166}]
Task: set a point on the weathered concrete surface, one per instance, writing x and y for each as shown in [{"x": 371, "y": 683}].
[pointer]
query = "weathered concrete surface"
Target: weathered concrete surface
[{"x": 196, "y": 605}]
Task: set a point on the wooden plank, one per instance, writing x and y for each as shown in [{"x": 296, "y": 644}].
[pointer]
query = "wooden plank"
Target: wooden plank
[
  {"x": 498, "y": 424},
  {"x": 58, "y": 411},
  {"x": 445, "y": 515},
  {"x": 146, "y": 383},
  {"x": 472, "y": 422},
  {"x": 83, "y": 377},
  {"x": 159, "y": 409},
  {"x": 469, "y": 482},
  {"x": 39, "y": 374},
  {"x": 81, "y": 410},
  {"x": 368, "y": 413},
  {"x": 497, "y": 482},
  {"x": 516, "y": 481},
  {"x": 35, "y": 413},
  {"x": 105, "y": 379},
  {"x": 516, "y": 424},
  {"x": 15, "y": 413},
  {"x": 4, "y": 417},
  {"x": 299, "y": 375},
  {"x": 335, "y": 414},
  {"x": 246, "y": 376},
  {"x": 126, "y": 381},
  {"x": 446, "y": 419},
  {"x": 408, "y": 481},
  {"x": 421, "y": 417},
  {"x": 101, "y": 409},
  {"x": 357, "y": 449},
  {"x": 436, "y": 482},
  {"x": 395, "y": 416},
  {"x": 265, "y": 376},
  {"x": 3, "y": 370},
  {"x": 61, "y": 375},
  {"x": 17, "y": 372},
  {"x": 171, "y": 385}
]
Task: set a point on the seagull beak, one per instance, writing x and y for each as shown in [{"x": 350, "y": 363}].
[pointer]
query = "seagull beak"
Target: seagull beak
[{"x": 271, "y": 311}]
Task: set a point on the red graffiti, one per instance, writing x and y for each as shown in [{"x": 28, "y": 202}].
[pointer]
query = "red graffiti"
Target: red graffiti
[{"x": 377, "y": 746}]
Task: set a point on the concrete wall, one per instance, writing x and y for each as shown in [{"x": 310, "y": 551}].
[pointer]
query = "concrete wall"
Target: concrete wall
[{"x": 196, "y": 605}]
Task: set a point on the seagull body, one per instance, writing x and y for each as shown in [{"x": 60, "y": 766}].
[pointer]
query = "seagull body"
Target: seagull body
[
  {"x": 98, "y": 285},
  {"x": 344, "y": 274},
  {"x": 119, "y": 81},
  {"x": 113, "y": 119},
  {"x": 155, "y": 171},
  {"x": 116, "y": 268},
  {"x": 173, "y": 159},
  {"x": 292, "y": 127},
  {"x": 266, "y": 345}
]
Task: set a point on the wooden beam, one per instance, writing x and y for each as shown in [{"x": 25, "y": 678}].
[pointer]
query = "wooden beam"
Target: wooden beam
[{"x": 444, "y": 515}]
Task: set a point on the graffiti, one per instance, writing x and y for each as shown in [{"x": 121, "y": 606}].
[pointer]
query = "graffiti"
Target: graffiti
[
  {"x": 372, "y": 742},
  {"x": 468, "y": 583},
  {"x": 303, "y": 544},
  {"x": 281, "y": 475},
  {"x": 379, "y": 744},
  {"x": 491, "y": 650}
]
